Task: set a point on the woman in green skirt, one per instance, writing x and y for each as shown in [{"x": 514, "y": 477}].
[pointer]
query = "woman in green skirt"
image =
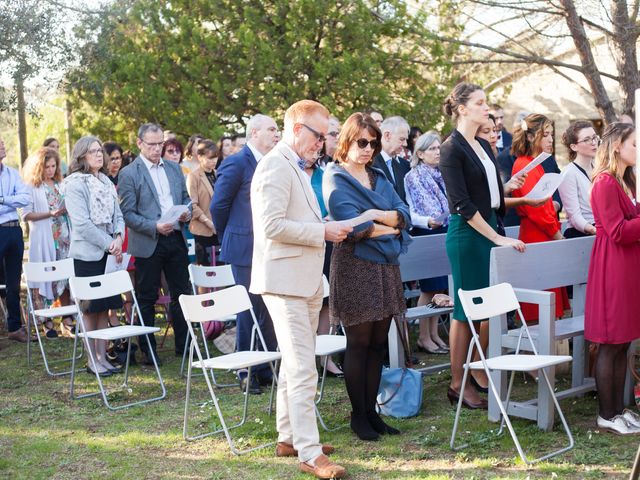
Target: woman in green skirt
[{"x": 476, "y": 198}]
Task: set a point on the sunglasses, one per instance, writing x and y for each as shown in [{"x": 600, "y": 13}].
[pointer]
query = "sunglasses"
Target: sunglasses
[
  {"x": 362, "y": 143},
  {"x": 172, "y": 151},
  {"x": 318, "y": 135}
]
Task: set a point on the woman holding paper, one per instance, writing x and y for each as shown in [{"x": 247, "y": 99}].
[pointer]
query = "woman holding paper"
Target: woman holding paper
[
  {"x": 366, "y": 288},
  {"x": 97, "y": 230},
  {"x": 613, "y": 296},
  {"x": 537, "y": 224},
  {"x": 582, "y": 143},
  {"x": 48, "y": 227},
  {"x": 476, "y": 198},
  {"x": 429, "y": 209}
]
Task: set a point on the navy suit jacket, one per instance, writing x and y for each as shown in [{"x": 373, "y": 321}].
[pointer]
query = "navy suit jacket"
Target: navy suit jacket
[
  {"x": 400, "y": 169},
  {"x": 507, "y": 140},
  {"x": 231, "y": 208}
]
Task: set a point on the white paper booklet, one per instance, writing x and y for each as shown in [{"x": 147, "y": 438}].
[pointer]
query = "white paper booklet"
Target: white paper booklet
[
  {"x": 546, "y": 186},
  {"x": 173, "y": 214},
  {"x": 532, "y": 164},
  {"x": 113, "y": 266}
]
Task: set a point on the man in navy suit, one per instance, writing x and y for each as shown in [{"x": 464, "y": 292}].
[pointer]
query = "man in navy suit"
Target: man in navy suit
[
  {"x": 504, "y": 137},
  {"x": 395, "y": 131},
  {"x": 231, "y": 213}
]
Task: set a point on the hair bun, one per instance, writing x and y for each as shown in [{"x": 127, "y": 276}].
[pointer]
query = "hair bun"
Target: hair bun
[{"x": 447, "y": 106}]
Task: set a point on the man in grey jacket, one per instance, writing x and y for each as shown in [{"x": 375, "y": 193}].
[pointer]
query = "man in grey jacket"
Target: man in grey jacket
[{"x": 148, "y": 189}]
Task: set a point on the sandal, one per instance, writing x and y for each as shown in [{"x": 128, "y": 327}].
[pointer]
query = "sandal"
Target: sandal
[
  {"x": 67, "y": 329},
  {"x": 49, "y": 330}
]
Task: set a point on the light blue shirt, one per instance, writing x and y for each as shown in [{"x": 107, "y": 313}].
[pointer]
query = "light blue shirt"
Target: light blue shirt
[{"x": 14, "y": 194}]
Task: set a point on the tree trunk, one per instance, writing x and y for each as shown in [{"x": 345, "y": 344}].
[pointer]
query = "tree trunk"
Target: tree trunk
[
  {"x": 22, "y": 120},
  {"x": 623, "y": 50},
  {"x": 583, "y": 48}
]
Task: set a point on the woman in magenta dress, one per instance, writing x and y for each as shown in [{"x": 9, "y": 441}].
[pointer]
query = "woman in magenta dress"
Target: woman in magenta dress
[{"x": 613, "y": 299}]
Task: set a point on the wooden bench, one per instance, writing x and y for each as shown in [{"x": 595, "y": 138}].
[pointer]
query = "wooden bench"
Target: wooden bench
[{"x": 543, "y": 266}]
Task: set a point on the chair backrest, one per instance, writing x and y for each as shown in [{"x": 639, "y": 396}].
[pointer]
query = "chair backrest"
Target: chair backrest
[
  {"x": 100, "y": 286},
  {"x": 488, "y": 302},
  {"x": 49, "y": 271},
  {"x": 215, "y": 305},
  {"x": 191, "y": 247},
  {"x": 425, "y": 258},
  {"x": 543, "y": 265},
  {"x": 211, "y": 277},
  {"x": 325, "y": 286}
]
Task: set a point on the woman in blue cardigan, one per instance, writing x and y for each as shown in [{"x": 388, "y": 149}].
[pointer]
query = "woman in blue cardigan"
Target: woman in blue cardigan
[{"x": 366, "y": 289}]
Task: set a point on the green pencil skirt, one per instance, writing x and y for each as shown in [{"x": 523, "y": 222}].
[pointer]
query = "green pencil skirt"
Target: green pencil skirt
[{"x": 469, "y": 254}]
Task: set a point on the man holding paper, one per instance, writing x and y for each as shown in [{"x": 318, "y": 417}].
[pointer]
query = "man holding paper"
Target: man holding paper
[{"x": 151, "y": 192}]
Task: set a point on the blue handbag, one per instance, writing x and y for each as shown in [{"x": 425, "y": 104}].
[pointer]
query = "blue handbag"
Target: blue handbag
[{"x": 400, "y": 392}]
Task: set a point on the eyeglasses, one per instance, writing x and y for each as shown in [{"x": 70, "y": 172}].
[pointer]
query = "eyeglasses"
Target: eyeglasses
[
  {"x": 333, "y": 134},
  {"x": 172, "y": 151},
  {"x": 319, "y": 136},
  {"x": 363, "y": 142},
  {"x": 153, "y": 145},
  {"x": 93, "y": 151},
  {"x": 595, "y": 139}
]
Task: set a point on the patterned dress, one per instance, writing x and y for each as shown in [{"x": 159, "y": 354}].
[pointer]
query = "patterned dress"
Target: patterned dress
[{"x": 59, "y": 230}]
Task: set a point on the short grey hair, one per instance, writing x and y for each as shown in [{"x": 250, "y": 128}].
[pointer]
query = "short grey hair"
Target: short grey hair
[
  {"x": 256, "y": 122},
  {"x": 423, "y": 142},
  {"x": 391, "y": 124},
  {"x": 79, "y": 155},
  {"x": 149, "y": 127}
]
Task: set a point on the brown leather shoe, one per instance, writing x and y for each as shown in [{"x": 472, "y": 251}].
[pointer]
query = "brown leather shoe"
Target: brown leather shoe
[
  {"x": 284, "y": 449},
  {"x": 20, "y": 335},
  {"x": 323, "y": 468}
]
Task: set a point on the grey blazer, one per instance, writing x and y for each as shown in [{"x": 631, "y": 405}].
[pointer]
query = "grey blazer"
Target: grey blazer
[
  {"x": 140, "y": 204},
  {"x": 89, "y": 242}
]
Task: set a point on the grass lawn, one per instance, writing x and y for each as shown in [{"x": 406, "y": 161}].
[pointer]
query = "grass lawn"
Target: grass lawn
[{"x": 44, "y": 434}]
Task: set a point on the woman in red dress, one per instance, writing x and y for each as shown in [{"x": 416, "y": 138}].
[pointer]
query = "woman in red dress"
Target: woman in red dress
[
  {"x": 613, "y": 299},
  {"x": 537, "y": 224}
]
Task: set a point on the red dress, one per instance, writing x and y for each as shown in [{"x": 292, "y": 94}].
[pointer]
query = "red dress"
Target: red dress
[
  {"x": 613, "y": 292},
  {"x": 537, "y": 224}
]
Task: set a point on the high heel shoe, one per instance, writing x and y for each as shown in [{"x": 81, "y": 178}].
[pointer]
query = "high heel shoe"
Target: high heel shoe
[
  {"x": 379, "y": 425},
  {"x": 477, "y": 386},
  {"x": 454, "y": 396},
  {"x": 331, "y": 374},
  {"x": 439, "y": 351}
]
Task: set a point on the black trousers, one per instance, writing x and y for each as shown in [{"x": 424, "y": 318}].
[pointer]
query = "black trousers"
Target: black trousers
[
  {"x": 170, "y": 257},
  {"x": 11, "y": 251}
]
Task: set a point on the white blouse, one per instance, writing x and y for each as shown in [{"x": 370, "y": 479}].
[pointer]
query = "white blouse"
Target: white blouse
[{"x": 490, "y": 169}]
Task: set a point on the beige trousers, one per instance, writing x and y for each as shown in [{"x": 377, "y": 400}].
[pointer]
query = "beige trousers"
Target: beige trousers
[{"x": 295, "y": 321}]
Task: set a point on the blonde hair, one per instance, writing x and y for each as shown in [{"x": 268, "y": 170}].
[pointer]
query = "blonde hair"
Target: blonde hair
[
  {"x": 33, "y": 171},
  {"x": 300, "y": 111},
  {"x": 608, "y": 156}
]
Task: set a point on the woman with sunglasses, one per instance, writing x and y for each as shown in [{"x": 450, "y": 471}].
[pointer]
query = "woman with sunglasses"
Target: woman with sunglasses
[
  {"x": 582, "y": 143},
  {"x": 366, "y": 289}
]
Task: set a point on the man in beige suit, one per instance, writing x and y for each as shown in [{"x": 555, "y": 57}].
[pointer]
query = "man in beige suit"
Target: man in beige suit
[{"x": 288, "y": 255}]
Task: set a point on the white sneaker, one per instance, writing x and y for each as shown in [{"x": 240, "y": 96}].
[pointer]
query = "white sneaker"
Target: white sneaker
[
  {"x": 632, "y": 418},
  {"x": 617, "y": 425}
]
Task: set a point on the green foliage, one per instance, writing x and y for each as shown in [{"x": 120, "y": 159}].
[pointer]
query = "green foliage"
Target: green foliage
[{"x": 207, "y": 65}]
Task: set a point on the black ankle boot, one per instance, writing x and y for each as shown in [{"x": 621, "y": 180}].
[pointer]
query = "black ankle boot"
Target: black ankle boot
[
  {"x": 379, "y": 425},
  {"x": 362, "y": 428}
]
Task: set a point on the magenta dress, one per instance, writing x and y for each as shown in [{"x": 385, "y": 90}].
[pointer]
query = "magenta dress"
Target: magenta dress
[{"x": 613, "y": 288}]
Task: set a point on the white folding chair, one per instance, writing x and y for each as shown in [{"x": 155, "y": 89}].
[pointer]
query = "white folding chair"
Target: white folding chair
[
  {"x": 490, "y": 303},
  {"x": 102, "y": 286},
  {"x": 220, "y": 304},
  {"x": 45, "y": 272},
  {"x": 3, "y": 307},
  {"x": 210, "y": 278},
  {"x": 327, "y": 345}
]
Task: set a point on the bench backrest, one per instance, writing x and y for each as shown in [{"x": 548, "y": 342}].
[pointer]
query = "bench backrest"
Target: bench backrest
[
  {"x": 543, "y": 265},
  {"x": 425, "y": 258}
]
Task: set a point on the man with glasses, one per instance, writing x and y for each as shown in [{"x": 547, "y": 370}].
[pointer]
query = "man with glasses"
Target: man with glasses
[
  {"x": 148, "y": 189},
  {"x": 395, "y": 131},
  {"x": 13, "y": 195},
  {"x": 288, "y": 255},
  {"x": 231, "y": 214},
  {"x": 331, "y": 142}
]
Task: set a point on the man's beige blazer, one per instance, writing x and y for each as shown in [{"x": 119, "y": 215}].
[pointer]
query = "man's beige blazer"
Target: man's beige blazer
[{"x": 288, "y": 248}]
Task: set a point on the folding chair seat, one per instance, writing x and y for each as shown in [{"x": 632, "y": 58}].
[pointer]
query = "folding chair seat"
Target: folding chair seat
[
  {"x": 490, "y": 303},
  {"x": 102, "y": 286},
  {"x": 210, "y": 278},
  {"x": 327, "y": 345},
  {"x": 45, "y": 272},
  {"x": 220, "y": 304}
]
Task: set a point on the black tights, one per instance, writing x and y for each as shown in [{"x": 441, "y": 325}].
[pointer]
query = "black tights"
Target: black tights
[
  {"x": 611, "y": 371},
  {"x": 363, "y": 363}
]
